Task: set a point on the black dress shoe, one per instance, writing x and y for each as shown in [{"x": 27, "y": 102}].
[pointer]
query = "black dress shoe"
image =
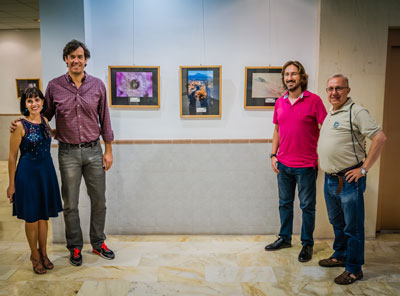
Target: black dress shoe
[
  {"x": 280, "y": 243},
  {"x": 305, "y": 254}
]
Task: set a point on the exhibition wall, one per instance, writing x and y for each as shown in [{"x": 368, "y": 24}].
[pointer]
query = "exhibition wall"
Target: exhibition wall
[
  {"x": 353, "y": 38},
  {"x": 224, "y": 188},
  {"x": 190, "y": 188},
  {"x": 60, "y": 21},
  {"x": 25, "y": 53},
  {"x": 20, "y": 58},
  {"x": 327, "y": 36},
  {"x": 233, "y": 34}
]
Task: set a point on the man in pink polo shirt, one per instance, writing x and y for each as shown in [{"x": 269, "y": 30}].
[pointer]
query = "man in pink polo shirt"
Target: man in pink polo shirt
[{"x": 298, "y": 116}]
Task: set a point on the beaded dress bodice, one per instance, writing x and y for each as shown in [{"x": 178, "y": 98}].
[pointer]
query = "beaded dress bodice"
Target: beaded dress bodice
[{"x": 36, "y": 141}]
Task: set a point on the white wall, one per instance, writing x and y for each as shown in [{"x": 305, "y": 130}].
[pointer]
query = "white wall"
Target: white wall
[
  {"x": 20, "y": 58},
  {"x": 60, "y": 22},
  {"x": 179, "y": 185},
  {"x": 237, "y": 33},
  {"x": 354, "y": 43}
]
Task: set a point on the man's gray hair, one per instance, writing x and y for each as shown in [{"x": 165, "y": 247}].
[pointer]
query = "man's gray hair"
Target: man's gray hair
[{"x": 340, "y": 76}]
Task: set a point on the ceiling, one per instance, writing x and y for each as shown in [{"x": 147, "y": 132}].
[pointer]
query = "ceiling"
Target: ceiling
[{"x": 19, "y": 14}]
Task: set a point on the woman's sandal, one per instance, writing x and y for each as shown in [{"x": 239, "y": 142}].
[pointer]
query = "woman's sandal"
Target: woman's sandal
[
  {"x": 37, "y": 266},
  {"x": 46, "y": 261},
  {"x": 346, "y": 279}
]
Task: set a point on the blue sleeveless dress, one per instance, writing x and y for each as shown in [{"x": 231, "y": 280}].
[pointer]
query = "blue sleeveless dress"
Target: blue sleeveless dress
[{"x": 37, "y": 194}]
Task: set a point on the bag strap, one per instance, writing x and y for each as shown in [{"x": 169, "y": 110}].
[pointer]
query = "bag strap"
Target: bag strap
[{"x": 354, "y": 136}]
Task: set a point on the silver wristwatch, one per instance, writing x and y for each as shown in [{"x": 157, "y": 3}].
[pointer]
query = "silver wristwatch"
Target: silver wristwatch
[{"x": 363, "y": 171}]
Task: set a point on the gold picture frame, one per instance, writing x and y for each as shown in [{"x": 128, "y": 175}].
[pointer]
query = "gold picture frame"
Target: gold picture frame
[
  {"x": 134, "y": 87},
  {"x": 200, "y": 91},
  {"x": 24, "y": 83}
]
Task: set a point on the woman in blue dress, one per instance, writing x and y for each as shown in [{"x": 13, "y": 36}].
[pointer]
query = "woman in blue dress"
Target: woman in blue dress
[{"x": 33, "y": 187}]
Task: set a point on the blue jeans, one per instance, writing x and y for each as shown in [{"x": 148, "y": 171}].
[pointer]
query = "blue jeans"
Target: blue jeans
[
  {"x": 346, "y": 214},
  {"x": 305, "y": 178},
  {"x": 75, "y": 163}
]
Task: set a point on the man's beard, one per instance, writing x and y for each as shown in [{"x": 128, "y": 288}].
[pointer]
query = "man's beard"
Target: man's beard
[{"x": 293, "y": 88}]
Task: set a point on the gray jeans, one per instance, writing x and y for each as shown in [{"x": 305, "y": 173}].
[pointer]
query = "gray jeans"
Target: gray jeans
[{"x": 75, "y": 162}]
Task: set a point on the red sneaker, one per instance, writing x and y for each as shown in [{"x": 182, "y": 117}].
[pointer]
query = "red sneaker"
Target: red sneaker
[
  {"x": 104, "y": 252},
  {"x": 75, "y": 257}
]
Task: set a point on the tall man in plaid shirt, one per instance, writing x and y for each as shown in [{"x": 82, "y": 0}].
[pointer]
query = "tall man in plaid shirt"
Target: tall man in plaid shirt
[{"x": 79, "y": 103}]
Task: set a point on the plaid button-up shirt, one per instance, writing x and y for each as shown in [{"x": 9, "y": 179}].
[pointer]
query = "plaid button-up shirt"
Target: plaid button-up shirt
[{"x": 82, "y": 115}]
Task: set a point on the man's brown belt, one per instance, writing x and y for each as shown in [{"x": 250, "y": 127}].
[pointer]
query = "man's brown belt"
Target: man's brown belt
[{"x": 341, "y": 173}]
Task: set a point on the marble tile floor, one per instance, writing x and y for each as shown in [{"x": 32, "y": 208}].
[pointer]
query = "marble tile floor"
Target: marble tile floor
[{"x": 188, "y": 265}]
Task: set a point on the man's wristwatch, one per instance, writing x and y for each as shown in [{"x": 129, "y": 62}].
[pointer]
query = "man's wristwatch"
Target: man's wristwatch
[
  {"x": 363, "y": 171},
  {"x": 272, "y": 155}
]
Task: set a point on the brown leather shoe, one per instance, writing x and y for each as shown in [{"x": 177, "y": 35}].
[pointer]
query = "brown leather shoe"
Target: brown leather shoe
[
  {"x": 346, "y": 279},
  {"x": 328, "y": 262}
]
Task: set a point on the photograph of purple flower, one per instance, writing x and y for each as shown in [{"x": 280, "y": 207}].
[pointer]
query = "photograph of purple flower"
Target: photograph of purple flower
[{"x": 134, "y": 84}]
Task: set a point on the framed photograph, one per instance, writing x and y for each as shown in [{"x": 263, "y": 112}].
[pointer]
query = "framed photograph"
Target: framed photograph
[
  {"x": 263, "y": 86},
  {"x": 200, "y": 88},
  {"x": 134, "y": 86},
  {"x": 23, "y": 84}
]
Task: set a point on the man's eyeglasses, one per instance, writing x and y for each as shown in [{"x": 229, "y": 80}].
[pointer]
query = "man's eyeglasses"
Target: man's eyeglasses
[{"x": 337, "y": 89}]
